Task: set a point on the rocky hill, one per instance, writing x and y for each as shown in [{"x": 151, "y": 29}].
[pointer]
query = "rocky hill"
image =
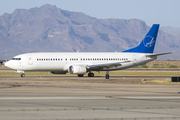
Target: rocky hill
[
  {"x": 173, "y": 31},
  {"x": 49, "y": 29}
]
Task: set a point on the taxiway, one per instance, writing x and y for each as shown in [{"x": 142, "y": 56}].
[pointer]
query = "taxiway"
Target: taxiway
[{"x": 73, "y": 98}]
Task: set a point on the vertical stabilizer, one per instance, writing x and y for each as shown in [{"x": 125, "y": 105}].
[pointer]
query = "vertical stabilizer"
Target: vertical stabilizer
[{"x": 148, "y": 43}]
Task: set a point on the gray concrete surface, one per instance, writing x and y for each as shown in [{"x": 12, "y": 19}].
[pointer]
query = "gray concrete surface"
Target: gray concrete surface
[
  {"x": 80, "y": 108},
  {"x": 71, "y": 98}
]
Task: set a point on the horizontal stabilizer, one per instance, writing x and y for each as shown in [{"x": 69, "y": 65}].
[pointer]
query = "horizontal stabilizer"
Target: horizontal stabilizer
[{"x": 153, "y": 55}]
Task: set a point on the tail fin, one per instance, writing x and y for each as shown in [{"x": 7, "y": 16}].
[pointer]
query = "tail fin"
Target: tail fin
[{"x": 148, "y": 43}]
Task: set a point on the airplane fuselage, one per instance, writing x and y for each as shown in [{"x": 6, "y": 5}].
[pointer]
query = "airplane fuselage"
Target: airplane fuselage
[{"x": 61, "y": 61}]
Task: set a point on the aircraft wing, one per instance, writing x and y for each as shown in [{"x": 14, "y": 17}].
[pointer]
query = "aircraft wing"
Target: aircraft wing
[
  {"x": 106, "y": 65},
  {"x": 153, "y": 55}
]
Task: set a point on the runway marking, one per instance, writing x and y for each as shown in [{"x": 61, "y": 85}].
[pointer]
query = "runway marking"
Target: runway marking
[
  {"x": 84, "y": 98},
  {"x": 150, "y": 97},
  {"x": 52, "y": 98}
]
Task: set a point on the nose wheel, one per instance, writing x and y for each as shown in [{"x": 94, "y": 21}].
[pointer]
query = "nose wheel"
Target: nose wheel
[{"x": 22, "y": 75}]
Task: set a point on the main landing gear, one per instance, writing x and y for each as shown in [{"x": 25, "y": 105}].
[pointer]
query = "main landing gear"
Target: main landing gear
[
  {"x": 107, "y": 75},
  {"x": 80, "y": 75},
  {"x": 90, "y": 74},
  {"x": 22, "y": 75}
]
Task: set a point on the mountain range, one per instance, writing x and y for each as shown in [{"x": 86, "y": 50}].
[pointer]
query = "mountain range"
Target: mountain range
[{"x": 51, "y": 29}]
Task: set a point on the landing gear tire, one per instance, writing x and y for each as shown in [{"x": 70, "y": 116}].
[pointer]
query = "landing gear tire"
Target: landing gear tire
[
  {"x": 80, "y": 75},
  {"x": 90, "y": 74},
  {"x": 23, "y": 75},
  {"x": 107, "y": 75}
]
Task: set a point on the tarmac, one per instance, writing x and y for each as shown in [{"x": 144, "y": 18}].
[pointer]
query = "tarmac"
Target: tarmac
[{"x": 73, "y": 98}]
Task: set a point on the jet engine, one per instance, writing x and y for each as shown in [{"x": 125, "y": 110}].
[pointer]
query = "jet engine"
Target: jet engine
[
  {"x": 77, "y": 69},
  {"x": 58, "y": 72}
]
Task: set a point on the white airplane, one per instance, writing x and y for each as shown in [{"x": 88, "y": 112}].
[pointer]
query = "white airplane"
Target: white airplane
[{"x": 82, "y": 62}]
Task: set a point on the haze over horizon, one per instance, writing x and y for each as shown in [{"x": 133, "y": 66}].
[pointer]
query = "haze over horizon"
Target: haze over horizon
[{"x": 163, "y": 12}]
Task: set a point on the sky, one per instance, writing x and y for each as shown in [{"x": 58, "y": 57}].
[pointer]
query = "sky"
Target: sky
[{"x": 163, "y": 12}]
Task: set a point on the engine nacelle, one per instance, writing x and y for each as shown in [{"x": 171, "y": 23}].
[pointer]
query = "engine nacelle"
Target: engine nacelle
[
  {"x": 58, "y": 72},
  {"x": 77, "y": 69}
]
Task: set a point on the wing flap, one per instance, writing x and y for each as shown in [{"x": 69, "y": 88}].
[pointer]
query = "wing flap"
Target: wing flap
[{"x": 106, "y": 65}]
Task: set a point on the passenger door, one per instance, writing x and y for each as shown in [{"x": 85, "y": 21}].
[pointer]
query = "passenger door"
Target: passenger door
[{"x": 30, "y": 60}]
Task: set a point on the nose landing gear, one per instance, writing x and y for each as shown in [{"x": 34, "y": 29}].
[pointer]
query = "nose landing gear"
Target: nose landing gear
[
  {"x": 22, "y": 75},
  {"x": 22, "y": 72}
]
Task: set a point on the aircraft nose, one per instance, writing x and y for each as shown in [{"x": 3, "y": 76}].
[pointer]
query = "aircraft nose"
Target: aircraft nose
[{"x": 6, "y": 64}]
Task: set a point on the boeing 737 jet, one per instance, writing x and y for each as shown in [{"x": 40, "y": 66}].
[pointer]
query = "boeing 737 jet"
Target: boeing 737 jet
[{"x": 86, "y": 62}]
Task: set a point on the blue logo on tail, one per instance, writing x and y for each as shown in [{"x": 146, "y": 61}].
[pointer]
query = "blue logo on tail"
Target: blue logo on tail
[{"x": 148, "y": 43}]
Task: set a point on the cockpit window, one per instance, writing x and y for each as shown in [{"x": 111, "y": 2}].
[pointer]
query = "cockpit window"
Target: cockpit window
[{"x": 16, "y": 58}]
